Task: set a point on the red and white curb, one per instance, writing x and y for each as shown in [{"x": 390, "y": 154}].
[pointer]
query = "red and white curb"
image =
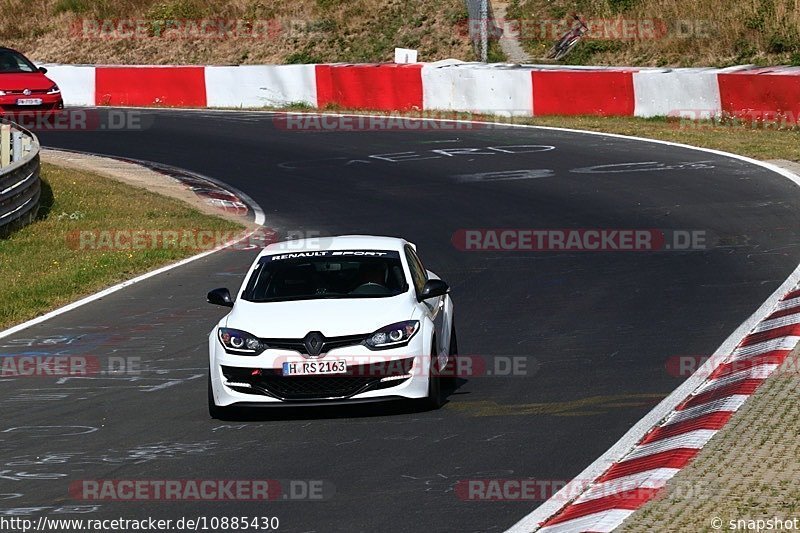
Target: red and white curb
[
  {"x": 623, "y": 482},
  {"x": 641, "y": 473},
  {"x": 763, "y": 93},
  {"x": 638, "y": 466}
]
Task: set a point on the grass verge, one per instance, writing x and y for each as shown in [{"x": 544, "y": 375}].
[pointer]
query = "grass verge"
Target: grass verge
[
  {"x": 43, "y": 266},
  {"x": 759, "y": 141}
]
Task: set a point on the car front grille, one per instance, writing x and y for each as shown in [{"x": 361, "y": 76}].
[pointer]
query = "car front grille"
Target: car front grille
[
  {"x": 30, "y": 109},
  {"x": 328, "y": 343},
  {"x": 358, "y": 379},
  {"x": 31, "y": 92}
]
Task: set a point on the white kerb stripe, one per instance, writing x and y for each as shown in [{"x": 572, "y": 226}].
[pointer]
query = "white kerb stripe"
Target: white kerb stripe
[
  {"x": 693, "y": 439},
  {"x": 731, "y": 404},
  {"x": 603, "y": 522},
  {"x": 788, "y": 304},
  {"x": 781, "y": 343},
  {"x": 650, "y": 479},
  {"x": 787, "y": 320},
  {"x": 757, "y": 372}
]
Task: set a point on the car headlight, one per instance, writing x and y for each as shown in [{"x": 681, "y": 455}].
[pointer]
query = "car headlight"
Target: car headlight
[
  {"x": 53, "y": 90},
  {"x": 392, "y": 336},
  {"x": 240, "y": 342},
  {"x": 3, "y": 93}
]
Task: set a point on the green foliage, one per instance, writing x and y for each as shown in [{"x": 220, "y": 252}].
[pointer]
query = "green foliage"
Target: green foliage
[
  {"x": 757, "y": 21},
  {"x": 744, "y": 50},
  {"x": 457, "y": 14},
  {"x": 322, "y": 25},
  {"x": 781, "y": 43},
  {"x": 257, "y": 10},
  {"x": 302, "y": 57},
  {"x": 174, "y": 10},
  {"x": 618, "y": 6},
  {"x": 585, "y": 50},
  {"x": 71, "y": 6}
]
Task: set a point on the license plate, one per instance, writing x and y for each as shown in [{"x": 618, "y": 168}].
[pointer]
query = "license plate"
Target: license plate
[
  {"x": 314, "y": 368},
  {"x": 29, "y": 101}
]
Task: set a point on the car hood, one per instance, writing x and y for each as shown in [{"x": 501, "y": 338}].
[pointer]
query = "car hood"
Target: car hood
[
  {"x": 332, "y": 318},
  {"x": 19, "y": 81}
]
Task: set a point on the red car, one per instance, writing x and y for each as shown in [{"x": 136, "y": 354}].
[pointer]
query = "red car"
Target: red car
[{"x": 25, "y": 88}]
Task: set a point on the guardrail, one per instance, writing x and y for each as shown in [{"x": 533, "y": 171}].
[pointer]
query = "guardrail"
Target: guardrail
[{"x": 20, "y": 186}]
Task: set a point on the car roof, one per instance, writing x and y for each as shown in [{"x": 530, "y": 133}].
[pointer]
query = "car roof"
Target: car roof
[{"x": 341, "y": 242}]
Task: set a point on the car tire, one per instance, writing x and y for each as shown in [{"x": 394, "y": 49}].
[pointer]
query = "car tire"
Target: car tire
[
  {"x": 215, "y": 411},
  {"x": 435, "y": 398}
]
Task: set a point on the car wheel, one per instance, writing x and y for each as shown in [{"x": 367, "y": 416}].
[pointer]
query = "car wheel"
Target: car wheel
[
  {"x": 214, "y": 410},
  {"x": 435, "y": 397}
]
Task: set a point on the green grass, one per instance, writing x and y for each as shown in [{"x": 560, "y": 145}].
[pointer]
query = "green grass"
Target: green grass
[
  {"x": 749, "y": 140},
  {"x": 43, "y": 267}
]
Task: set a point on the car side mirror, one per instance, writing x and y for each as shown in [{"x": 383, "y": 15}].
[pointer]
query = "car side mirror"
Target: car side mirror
[
  {"x": 433, "y": 288},
  {"x": 43, "y": 70},
  {"x": 220, "y": 297}
]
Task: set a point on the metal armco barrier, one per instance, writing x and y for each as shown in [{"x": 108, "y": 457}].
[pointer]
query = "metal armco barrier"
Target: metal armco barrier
[{"x": 20, "y": 186}]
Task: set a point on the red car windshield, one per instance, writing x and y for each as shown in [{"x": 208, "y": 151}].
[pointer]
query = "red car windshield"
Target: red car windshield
[{"x": 14, "y": 62}]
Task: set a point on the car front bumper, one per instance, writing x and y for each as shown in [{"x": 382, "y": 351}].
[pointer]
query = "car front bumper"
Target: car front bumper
[
  {"x": 399, "y": 373},
  {"x": 50, "y": 102}
]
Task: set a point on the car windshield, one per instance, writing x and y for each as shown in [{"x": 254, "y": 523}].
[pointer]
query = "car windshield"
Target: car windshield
[
  {"x": 326, "y": 274},
  {"x": 11, "y": 61}
]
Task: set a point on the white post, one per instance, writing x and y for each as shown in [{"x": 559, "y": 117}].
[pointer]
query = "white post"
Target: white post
[
  {"x": 16, "y": 145},
  {"x": 484, "y": 30},
  {"x": 5, "y": 145}
]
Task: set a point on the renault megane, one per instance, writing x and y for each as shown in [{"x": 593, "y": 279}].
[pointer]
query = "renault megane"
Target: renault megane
[{"x": 348, "y": 319}]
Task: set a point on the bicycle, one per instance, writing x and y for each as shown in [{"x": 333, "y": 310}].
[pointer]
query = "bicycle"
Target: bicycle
[{"x": 568, "y": 40}]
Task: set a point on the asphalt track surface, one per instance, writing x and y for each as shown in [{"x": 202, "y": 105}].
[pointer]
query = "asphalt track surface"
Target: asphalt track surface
[{"x": 596, "y": 329}]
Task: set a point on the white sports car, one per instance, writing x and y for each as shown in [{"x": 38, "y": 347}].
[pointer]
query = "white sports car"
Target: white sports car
[{"x": 338, "y": 319}]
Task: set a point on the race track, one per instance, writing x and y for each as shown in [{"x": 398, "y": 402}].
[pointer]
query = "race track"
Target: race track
[{"x": 596, "y": 329}]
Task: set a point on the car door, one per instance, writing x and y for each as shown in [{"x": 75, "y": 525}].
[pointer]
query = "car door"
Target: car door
[{"x": 433, "y": 306}]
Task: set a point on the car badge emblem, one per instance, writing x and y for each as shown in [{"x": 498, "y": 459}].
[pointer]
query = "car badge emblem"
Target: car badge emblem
[
  {"x": 26, "y": 92},
  {"x": 313, "y": 343}
]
